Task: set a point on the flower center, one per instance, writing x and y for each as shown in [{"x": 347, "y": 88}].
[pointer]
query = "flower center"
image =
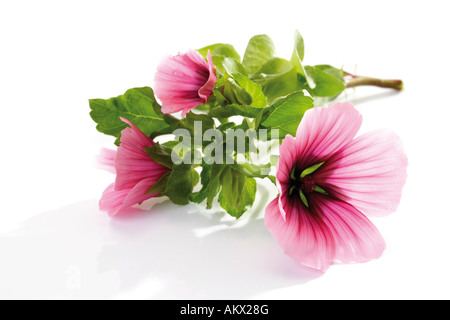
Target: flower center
[
  {"x": 305, "y": 184},
  {"x": 302, "y": 183}
]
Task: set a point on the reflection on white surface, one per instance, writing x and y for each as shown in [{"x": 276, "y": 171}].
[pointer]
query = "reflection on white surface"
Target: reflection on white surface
[{"x": 170, "y": 252}]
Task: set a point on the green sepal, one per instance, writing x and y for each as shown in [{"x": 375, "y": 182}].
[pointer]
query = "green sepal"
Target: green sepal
[
  {"x": 180, "y": 183},
  {"x": 160, "y": 186},
  {"x": 311, "y": 169},
  {"x": 161, "y": 154},
  {"x": 303, "y": 198}
]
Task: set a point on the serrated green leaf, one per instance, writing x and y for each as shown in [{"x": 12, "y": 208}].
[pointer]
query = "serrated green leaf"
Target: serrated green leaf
[
  {"x": 205, "y": 178},
  {"x": 299, "y": 45},
  {"x": 252, "y": 170},
  {"x": 278, "y": 78},
  {"x": 297, "y": 58},
  {"x": 214, "y": 184},
  {"x": 234, "y": 93},
  {"x": 191, "y": 118},
  {"x": 254, "y": 90},
  {"x": 326, "y": 84},
  {"x": 286, "y": 113},
  {"x": 259, "y": 50},
  {"x": 220, "y": 49},
  {"x": 228, "y": 65},
  {"x": 238, "y": 192},
  {"x": 138, "y": 105},
  {"x": 235, "y": 110}
]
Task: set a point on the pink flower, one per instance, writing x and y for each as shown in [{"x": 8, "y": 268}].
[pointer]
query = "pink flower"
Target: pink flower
[
  {"x": 184, "y": 82},
  {"x": 136, "y": 171},
  {"x": 317, "y": 218}
]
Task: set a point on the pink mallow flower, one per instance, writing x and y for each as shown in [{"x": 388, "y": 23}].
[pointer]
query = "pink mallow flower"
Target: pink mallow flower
[
  {"x": 184, "y": 82},
  {"x": 326, "y": 179},
  {"x": 136, "y": 171}
]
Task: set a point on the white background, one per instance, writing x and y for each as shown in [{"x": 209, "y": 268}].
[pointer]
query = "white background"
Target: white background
[{"x": 55, "y": 243}]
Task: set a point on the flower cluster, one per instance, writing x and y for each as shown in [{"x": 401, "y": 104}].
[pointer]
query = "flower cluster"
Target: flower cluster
[{"x": 329, "y": 179}]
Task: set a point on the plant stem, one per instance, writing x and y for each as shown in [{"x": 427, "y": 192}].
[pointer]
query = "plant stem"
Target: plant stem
[{"x": 356, "y": 81}]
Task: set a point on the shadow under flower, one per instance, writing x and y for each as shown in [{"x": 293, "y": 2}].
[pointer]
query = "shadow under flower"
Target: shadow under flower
[{"x": 171, "y": 252}]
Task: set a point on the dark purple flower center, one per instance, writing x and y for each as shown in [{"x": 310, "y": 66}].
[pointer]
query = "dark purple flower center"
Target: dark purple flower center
[
  {"x": 305, "y": 184},
  {"x": 302, "y": 183}
]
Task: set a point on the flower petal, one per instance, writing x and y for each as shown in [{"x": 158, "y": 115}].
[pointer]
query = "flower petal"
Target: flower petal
[
  {"x": 324, "y": 131},
  {"x": 206, "y": 91},
  {"x": 184, "y": 81},
  {"x": 117, "y": 201},
  {"x": 356, "y": 238},
  {"x": 106, "y": 160},
  {"x": 303, "y": 236},
  {"x": 133, "y": 164},
  {"x": 112, "y": 199},
  {"x": 287, "y": 161},
  {"x": 368, "y": 173}
]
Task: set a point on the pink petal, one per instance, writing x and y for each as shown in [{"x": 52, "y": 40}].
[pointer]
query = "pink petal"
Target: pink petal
[
  {"x": 368, "y": 173},
  {"x": 206, "y": 91},
  {"x": 287, "y": 161},
  {"x": 133, "y": 164},
  {"x": 106, "y": 160},
  {"x": 303, "y": 236},
  {"x": 356, "y": 238},
  {"x": 112, "y": 200},
  {"x": 138, "y": 193},
  {"x": 324, "y": 131},
  {"x": 184, "y": 82},
  {"x": 117, "y": 201},
  {"x": 330, "y": 230}
]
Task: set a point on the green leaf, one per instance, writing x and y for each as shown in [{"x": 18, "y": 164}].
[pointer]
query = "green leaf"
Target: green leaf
[
  {"x": 235, "y": 110},
  {"x": 254, "y": 90},
  {"x": 191, "y": 118},
  {"x": 252, "y": 170},
  {"x": 238, "y": 192},
  {"x": 326, "y": 84},
  {"x": 337, "y": 73},
  {"x": 278, "y": 78},
  {"x": 205, "y": 178},
  {"x": 299, "y": 45},
  {"x": 259, "y": 50},
  {"x": 214, "y": 184},
  {"x": 220, "y": 49},
  {"x": 311, "y": 169},
  {"x": 228, "y": 65},
  {"x": 297, "y": 58},
  {"x": 138, "y": 105},
  {"x": 180, "y": 184},
  {"x": 234, "y": 93},
  {"x": 286, "y": 113}
]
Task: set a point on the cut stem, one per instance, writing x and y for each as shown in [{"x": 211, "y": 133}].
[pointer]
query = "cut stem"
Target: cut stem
[{"x": 356, "y": 81}]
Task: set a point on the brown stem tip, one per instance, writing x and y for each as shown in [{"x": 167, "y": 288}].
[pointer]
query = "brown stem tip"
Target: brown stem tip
[{"x": 356, "y": 81}]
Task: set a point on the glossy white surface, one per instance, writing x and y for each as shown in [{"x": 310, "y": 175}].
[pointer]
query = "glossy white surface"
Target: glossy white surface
[{"x": 54, "y": 242}]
